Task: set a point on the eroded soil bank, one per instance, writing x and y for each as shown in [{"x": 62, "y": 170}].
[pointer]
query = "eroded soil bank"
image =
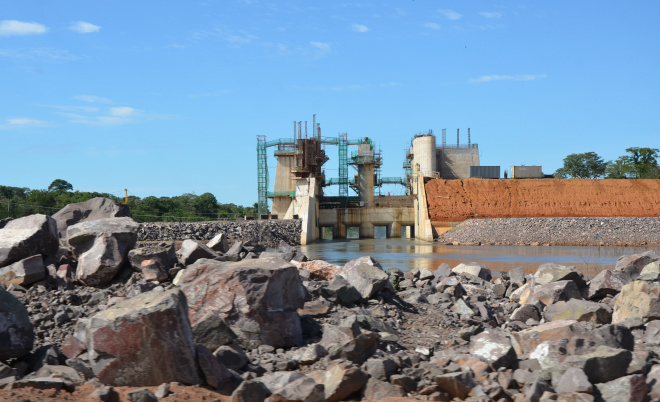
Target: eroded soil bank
[{"x": 458, "y": 200}]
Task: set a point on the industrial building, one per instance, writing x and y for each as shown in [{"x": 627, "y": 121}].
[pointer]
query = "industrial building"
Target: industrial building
[{"x": 300, "y": 180}]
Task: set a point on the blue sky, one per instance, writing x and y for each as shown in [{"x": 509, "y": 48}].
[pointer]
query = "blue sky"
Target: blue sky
[{"x": 167, "y": 97}]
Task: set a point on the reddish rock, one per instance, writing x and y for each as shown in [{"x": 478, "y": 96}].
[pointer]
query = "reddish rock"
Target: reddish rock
[
  {"x": 143, "y": 341},
  {"x": 319, "y": 270},
  {"x": 73, "y": 347},
  {"x": 258, "y": 299}
]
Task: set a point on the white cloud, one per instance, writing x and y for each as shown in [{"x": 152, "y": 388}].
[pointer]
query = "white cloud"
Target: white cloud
[
  {"x": 13, "y": 27},
  {"x": 519, "y": 77},
  {"x": 450, "y": 14},
  {"x": 84, "y": 27},
  {"x": 322, "y": 48},
  {"x": 359, "y": 28},
  {"x": 432, "y": 25},
  {"x": 92, "y": 99},
  {"x": 489, "y": 14},
  {"x": 25, "y": 122},
  {"x": 122, "y": 111}
]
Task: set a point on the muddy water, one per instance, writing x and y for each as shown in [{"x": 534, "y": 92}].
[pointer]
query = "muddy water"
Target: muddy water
[{"x": 408, "y": 254}]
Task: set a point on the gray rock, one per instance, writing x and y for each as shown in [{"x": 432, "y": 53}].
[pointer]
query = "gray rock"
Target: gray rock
[
  {"x": 16, "y": 331},
  {"x": 24, "y": 272},
  {"x": 573, "y": 380},
  {"x": 216, "y": 374},
  {"x": 101, "y": 247},
  {"x": 380, "y": 369},
  {"x": 250, "y": 391},
  {"x": 534, "y": 391},
  {"x": 293, "y": 386},
  {"x": 212, "y": 332},
  {"x": 24, "y": 237},
  {"x": 219, "y": 243},
  {"x": 579, "y": 310},
  {"x": 473, "y": 269},
  {"x": 376, "y": 390},
  {"x": 632, "y": 388},
  {"x": 494, "y": 348},
  {"x": 142, "y": 395},
  {"x": 193, "y": 250},
  {"x": 607, "y": 283},
  {"x": 633, "y": 264},
  {"x": 341, "y": 291},
  {"x": 457, "y": 385},
  {"x": 653, "y": 382},
  {"x": 557, "y": 291},
  {"x": 526, "y": 312},
  {"x": 105, "y": 393},
  {"x": 517, "y": 276},
  {"x": 143, "y": 341},
  {"x": 341, "y": 380},
  {"x": 551, "y": 272},
  {"x": 366, "y": 276},
  {"x": 154, "y": 261},
  {"x": 603, "y": 364},
  {"x": 96, "y": 208},
  {"x": 232, "y": 356},
  {"x": 344, "y": 343}
]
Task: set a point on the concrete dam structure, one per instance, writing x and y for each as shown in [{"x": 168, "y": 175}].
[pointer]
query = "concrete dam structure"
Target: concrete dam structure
[{"x": 300, "y": 181}]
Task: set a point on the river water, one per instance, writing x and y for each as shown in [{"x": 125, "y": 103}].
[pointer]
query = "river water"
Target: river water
[{"x": 407, "y": 254}]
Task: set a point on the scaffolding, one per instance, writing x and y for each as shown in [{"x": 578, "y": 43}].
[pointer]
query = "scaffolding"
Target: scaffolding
[
  {"x": 262, "y": 175},
  {"x": 343, "y": 167}
]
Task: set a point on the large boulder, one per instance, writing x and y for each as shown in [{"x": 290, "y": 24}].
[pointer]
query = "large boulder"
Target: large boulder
[
  {"x": 293, "y": 386},
  {"x": 142, "y": 341},
  {"x": 101, "y": 247},
  {"x": 366, "y": 275},
  {"x": 341, "y": 380},
  {"x": 633, "y": 264},
  {"x": 527, "y": 340},
  {"x": 551, "y": 272},
  {"x": 557, "y": 291},
  {"x": 638, "y": 299},
  {"x": 495, "y": 348},
  {"x": 193, "y": 250},
  {"x": 24, "y": 272},
  {"x": 24, "y": 237},
  {"x": 219, "y": 243},
  {"x": 257, "y": 298},
  {"x": 154, "y": 261},
  {"x": 607, "y": 283},
  {"x": 16, "y": 331},
  {"x": 473, "y": 269},
  {"x": 96, "y": 208},
  {"x": 579, "y": 310}
]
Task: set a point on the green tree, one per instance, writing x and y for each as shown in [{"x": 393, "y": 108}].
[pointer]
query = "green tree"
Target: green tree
[
  {"x": 60, "y": 185},
  {"x": 586, "y": 165},
  {"x": 640, "y": 163}
]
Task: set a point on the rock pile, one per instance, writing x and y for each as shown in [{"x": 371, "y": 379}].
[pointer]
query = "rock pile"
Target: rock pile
[
  {"x": 556, "y": 231},
  {"x": 256, "y": 326},
  {"x": 268, "y": 233}
]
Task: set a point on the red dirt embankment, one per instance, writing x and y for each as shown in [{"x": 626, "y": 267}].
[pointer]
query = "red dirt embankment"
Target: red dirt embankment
[{"x": 458, "y": 200}]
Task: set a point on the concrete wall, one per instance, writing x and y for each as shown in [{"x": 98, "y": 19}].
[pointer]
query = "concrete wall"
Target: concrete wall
[
  {"x": 283, "y": 183},
  {"x": 366, "y": 219},
  {"x": 454, "y": 163}
]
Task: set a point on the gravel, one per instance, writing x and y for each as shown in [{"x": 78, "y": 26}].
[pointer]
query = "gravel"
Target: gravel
[{"x": 556, "y": 232}]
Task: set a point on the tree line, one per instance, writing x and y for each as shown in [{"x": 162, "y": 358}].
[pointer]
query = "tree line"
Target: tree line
[
  {"x": 17, "y": 202},
  {"x": 637, "y": 163}
]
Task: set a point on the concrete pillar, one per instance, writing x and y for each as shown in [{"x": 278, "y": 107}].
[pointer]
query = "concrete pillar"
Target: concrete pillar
[
  {"x": 394, "y": 230},
  {"x": 366, "y": 184},
  {"x": 366, "y": 230}
]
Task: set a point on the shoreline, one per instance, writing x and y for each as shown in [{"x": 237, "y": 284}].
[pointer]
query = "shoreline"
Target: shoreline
[{"x": 566, "y": 231}]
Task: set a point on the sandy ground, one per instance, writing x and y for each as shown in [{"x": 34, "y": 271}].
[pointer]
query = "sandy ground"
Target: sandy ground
[{"x": 458, "y": 200}]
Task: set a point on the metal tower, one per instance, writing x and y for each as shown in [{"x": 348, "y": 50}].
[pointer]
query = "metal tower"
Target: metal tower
[{"x": 262, "y": 175}]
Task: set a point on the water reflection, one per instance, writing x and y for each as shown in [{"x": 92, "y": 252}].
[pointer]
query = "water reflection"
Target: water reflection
[{"x": 409, "y": 254}]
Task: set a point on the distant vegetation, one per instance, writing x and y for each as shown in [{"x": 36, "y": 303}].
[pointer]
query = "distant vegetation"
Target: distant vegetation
[
  {"x": 17, "y": 202},
  {"x": 638, "y": 163}
]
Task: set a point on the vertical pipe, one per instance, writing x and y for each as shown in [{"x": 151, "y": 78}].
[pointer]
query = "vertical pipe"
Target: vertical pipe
[
  {"x": 306, "y": 129},
  {"x": 444, "y": 137},
  {"x": 314, "y": 125},
  {"x": 468, "y": 137},
  {"x": 294, "y": 133},
  {"x": 458, "y": 142}
]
